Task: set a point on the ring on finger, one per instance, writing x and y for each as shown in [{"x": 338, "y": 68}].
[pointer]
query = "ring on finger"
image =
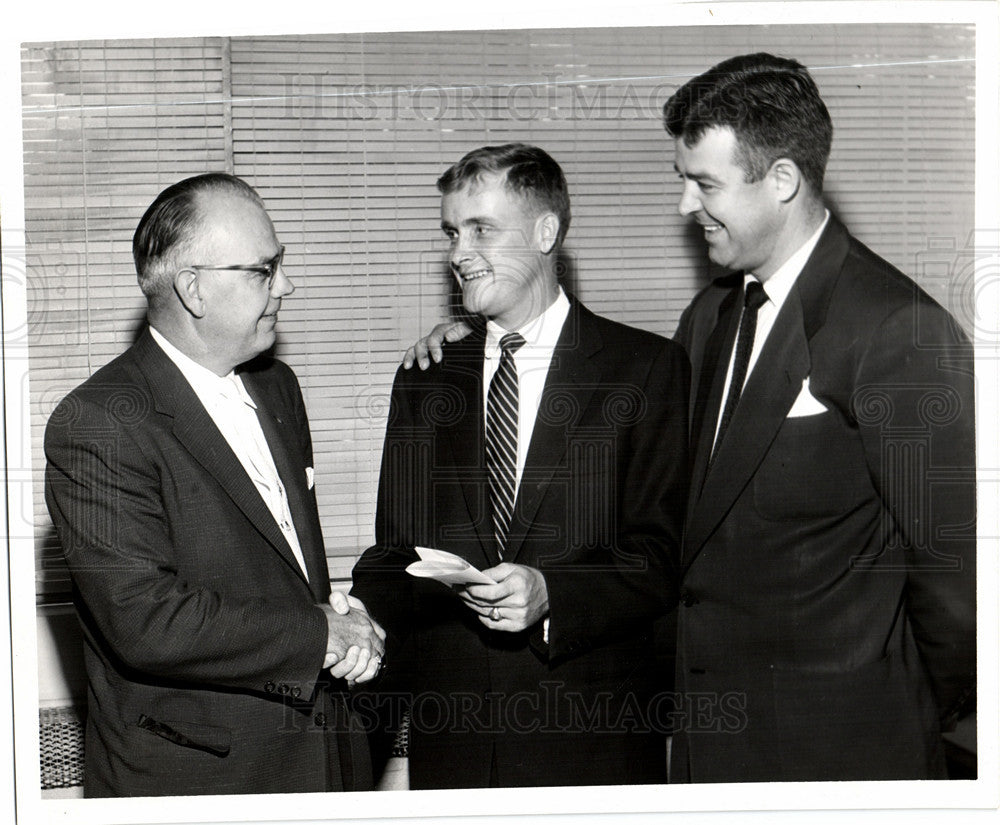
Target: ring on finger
[{"x": 495, "y": 614}]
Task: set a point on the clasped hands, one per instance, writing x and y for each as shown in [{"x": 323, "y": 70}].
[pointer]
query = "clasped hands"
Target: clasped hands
[
  {"x": 355, "y": 642},
  {"x": 517, "y": 601}
]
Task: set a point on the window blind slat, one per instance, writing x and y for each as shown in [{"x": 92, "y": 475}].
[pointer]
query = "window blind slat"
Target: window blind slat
[{"x": 344, "y": 135}]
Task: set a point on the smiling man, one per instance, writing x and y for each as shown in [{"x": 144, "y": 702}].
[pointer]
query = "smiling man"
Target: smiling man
[
  {"x": 829, "y": 547},
  {"x": 548, "y": 449},
  {"x": 828, "y": 565},
  {"x": 179, "y": 480}
]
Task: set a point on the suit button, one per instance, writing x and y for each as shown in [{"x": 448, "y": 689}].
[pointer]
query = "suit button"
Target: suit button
[
  {"x": 689, "y": 599},
  {"x": 269, "y": 687},
  {"x": 296, "y": 692},
  {"x": 320, "y": 720},
  {"x": 283, "y": 689}
]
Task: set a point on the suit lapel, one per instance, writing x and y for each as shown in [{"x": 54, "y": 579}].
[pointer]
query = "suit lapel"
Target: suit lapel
[
  {"x": 710, "y": 386},
  {"x": 767, "y": 397},
  {"x": 769, "y": 394},
  {"x": 196, "y": 432},
  {"x": 283, "y": 444},
  {"x": 466, "y": 439},
  {"x": 569, "y": 386}
]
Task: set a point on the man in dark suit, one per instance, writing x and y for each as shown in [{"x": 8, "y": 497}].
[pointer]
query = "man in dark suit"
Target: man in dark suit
[
  {"x": 179, "y": 479},
  {"x": 829, "y": 549},
  {"x": 570, "y": 498},
  {"x": 828, "y": 566}
]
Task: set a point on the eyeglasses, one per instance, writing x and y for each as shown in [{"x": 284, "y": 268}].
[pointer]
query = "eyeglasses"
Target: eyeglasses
[{"x": 268, "y": 270}]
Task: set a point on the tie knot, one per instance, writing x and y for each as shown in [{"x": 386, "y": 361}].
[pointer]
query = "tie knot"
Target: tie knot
[
  {"x": 511, "y": 343},
  {"x": 755, "y": 296}
]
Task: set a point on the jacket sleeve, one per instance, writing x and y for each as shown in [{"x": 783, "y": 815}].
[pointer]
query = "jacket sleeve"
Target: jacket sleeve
[
  {"x": 379, "y": 577},
  {"x": 914, "y": 401},
  {"x": 103, "y": 490},
  {"x": 613, "y": 590}
]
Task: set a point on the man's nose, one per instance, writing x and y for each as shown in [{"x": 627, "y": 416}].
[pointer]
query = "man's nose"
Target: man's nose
[
  {"x": 282, "y": 285},
  {"x": 689, "y": 202},
  {"x": 460, "y": 250}
]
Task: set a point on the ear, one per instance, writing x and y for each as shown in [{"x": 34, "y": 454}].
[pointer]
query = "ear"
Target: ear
[
  {"x": 188, "y": 289},
  {"x": 546, "y": 232},
  {"x": 786, "y": 177}
]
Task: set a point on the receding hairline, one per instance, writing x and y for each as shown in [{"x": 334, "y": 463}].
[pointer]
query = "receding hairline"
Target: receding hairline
[
  {"x": 484, "y": 178},
  {"x": 206, "y": 201}
]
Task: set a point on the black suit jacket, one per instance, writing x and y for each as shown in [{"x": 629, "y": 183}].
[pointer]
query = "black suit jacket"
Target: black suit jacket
[
  {"x": 598, "y": 511},
  {"x": 204, "y": 641},
  {"x": 828, "y": 597}
]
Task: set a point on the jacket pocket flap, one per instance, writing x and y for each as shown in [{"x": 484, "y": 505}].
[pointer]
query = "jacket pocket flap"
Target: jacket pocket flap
[{"x": 209, "y": 738}]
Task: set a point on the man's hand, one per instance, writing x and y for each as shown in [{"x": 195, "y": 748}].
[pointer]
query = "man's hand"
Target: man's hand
[
  {"x": 517, "y": 600},
  {"x": 430, "y": 346},
  {"x": 355, "y": 642}
]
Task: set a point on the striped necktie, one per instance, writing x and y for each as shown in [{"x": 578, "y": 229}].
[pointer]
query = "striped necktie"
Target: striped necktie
[{"x": 501, "y": 438}]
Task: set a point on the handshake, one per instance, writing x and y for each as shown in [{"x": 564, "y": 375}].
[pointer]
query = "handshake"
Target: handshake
[{"x": 355, "y": 644}]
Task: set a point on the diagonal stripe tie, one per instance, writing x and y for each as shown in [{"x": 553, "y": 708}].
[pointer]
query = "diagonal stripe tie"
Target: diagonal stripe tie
[{"x": 501, "y": 438}]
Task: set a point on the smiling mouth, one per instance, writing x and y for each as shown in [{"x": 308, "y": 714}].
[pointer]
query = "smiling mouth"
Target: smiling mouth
[
  {"x": 710, "y": 227},
  {"x": 474, "y": 275}
]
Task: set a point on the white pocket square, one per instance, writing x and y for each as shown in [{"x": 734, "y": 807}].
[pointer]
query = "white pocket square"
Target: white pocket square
[
  {"x": 310, "y": 478},
  {"x": 806, "y": 403}
]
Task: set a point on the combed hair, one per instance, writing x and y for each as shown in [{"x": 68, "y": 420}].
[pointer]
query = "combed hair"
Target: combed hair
[
  {"x": 771, "y": 104},
  {"x": 528, "y": 171},
  {"x": 169, "y": 226}
]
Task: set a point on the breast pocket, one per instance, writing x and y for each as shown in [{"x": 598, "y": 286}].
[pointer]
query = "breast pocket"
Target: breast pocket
[{"x": 815, "y": 467}]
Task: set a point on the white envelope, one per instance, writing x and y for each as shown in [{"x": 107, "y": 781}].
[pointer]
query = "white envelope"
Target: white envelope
[
  {"x": 806, "y": 403},
  {"x": 446, "y": 567}
]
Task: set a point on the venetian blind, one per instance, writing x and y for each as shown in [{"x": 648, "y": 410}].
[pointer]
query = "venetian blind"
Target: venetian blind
[
  {"x": 345, "y": 135},
  {"x": 107, "y": 125}
]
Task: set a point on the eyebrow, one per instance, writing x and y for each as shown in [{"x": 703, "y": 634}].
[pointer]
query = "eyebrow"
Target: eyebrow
[
  {"x": 473, "y": 221},
  {"x": 695, "y": 176},
  {"x": 262, "y": 262}
]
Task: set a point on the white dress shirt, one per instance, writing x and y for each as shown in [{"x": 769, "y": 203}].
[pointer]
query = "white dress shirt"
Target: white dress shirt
[
  {"x": 232, "y": 409},
  {"x": 776, "y": 288},
  {"x": 532, "y": 362}
]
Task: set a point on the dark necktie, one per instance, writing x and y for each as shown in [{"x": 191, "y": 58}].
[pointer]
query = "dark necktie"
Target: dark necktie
[
  {"x": 754, "y": 299},
  {"x": 501, "y": 438}
]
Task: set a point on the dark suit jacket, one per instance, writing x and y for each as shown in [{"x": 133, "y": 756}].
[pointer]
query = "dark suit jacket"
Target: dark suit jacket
[
  {"x": 828, "y": 600},
  {"x": 204, "y": 642},
  {"x": 598, "y": 511}
]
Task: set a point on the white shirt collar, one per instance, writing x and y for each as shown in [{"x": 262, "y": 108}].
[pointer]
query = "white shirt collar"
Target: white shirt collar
[
  {"x": 540, "y": 333},
  {"x": 781, "y": 282},
  {"x": 206, "y": 384}
]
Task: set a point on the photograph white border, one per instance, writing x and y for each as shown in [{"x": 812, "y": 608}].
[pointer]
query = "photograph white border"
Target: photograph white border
[{"x": 59, "y": 21}]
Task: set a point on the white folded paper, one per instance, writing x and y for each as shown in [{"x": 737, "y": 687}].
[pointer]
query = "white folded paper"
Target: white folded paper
[{"x": 446, "y": 567}]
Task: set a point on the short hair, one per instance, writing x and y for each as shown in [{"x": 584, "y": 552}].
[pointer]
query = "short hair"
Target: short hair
[
  {"x": 528, "y": 171},
  {"x": 771, "y": 104},
  {"x": 169, "y": 227}
]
